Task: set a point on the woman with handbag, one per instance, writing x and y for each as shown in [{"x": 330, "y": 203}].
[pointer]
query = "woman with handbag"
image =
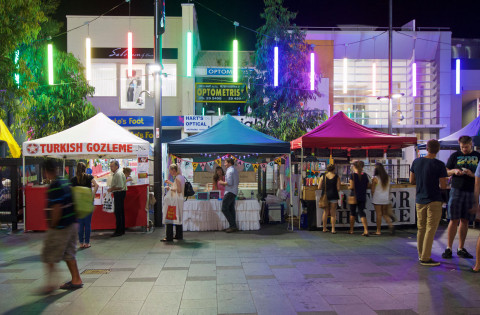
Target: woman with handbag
[
  {"x": 358, "y": 185},
  {"x": 330, "y": 184},
  {"x": 173, "y": 205},
  {"x": 381, "y": 197}
]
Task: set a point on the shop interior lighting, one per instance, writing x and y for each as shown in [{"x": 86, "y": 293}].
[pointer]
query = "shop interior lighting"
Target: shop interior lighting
[
  {"x": 50, "y": 64},
  {"x": 88, "y": 57},
  {"x": 312, "y": 71},
  {"x": 130, "y": 60},
  {"x": 374, "y": 79},
  {"x": 457, "y": 76},
  {"x": 414, "y": 79},
  {"x": 189, "y": 54},
  {"x": 345, "y": 73},
  {"x": 275, "y": 67}
]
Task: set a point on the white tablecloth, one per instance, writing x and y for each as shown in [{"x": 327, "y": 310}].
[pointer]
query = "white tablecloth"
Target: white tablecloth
[{"x": 206, "y": 215}]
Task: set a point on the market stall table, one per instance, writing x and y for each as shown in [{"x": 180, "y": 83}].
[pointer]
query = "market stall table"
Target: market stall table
[
  {"x": 206, "y": 215},
  {"x": 135, "y": 213}
]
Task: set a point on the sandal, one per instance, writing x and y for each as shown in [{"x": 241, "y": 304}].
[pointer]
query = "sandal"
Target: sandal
[
  {"x": 365, "y": 234},
  {"x": 70, "y": 286},
  {"x": 378, "y": 233},
  {"x": 326, "y": 231},
  {"x": 350, "y": 232},
  {"x": 166, "y": 240},
  {"x": 87, "y": 245},
  {"x": 334, "y": 232},
  {"x": 475, "y": 271}
]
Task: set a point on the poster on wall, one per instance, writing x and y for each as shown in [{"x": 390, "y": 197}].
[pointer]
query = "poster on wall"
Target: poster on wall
[
  {"x": 142, "y": 168},
  {"x": 130, "y": 88}
]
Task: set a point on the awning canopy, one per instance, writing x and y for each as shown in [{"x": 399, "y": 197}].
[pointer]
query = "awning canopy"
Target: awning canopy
[
  {"x": 340, "y": 132},
  {"x": 451, "y": 142},
  {"x": 97, "y": 137},
  {"x": 229, "y": 136}
]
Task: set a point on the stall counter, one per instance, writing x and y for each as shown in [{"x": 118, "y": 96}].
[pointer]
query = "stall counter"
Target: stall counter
[{"x": 135, "y": 213}]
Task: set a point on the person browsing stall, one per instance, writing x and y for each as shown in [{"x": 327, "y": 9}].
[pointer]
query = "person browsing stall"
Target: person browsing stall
[
  {"x": 119, "y": 189},
  {"x": 219, "y": 175},
  {"x": 330, "y": 184},
  {"x": 359, "y": 183},
  {"x": 231, "y": 191},
  {"x": 461, "y": 165},
  {"x": 176, "y": 193},
  {"x": 84, "y": 225},
  {"x": 381, "y": 197}
]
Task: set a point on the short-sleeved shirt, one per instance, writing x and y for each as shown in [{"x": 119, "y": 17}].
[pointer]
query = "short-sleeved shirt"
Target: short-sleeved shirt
[
  {"x": 458, "y": 160},
  {"x": 119, "y": 180},
  {"x": 87, "y": 183},
  {"x": 360, "y": 184},
  {"x": 59, "y": 192},
  {"x": 427, "y": 176},
  {"x": 232, "y": 178}
]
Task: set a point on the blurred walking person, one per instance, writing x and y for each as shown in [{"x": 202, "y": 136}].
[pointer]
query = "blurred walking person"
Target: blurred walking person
[{"x": 381, "y": 197}]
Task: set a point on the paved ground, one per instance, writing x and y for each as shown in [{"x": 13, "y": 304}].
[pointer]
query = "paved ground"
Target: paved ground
[{"x": 270, "y": 271}]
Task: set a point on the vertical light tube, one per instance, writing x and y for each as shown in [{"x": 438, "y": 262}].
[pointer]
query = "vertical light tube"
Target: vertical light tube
[
  {"x": 374, "y": 79},
  {"x": 17, "y": 75},
  {"x": 130, "y": 60},
  {"x": 312, "y": 71},
  {"x": 189, "y": 54},
  {"x": 345, "y": 73},
  {"x": 275, "y": 67},
  {"x": 219, "y": 113},
  {"x": 235, "y": 61},
  {"x": 88, "y": 58},
  {"x": 414, "y": 79},
  {"x": 203, "y": 111},
  {"x": 457, "y": 76},
  {"x": 50, "y": 64}
]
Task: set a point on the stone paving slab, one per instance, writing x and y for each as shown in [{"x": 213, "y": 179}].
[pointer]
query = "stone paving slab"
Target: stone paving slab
[{"x": 271, "y": 271}]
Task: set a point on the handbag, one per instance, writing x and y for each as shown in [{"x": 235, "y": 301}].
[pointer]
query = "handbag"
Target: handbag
[
  {"x": 323, "y": 202},
  {"x": 171, "y": 213},
  {"x": 352, "y": 199}
]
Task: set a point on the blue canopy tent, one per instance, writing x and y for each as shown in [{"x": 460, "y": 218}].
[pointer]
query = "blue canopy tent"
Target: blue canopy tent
[
  {"x": 451, "y": 142},
  {"x": 229, "y": 136}
]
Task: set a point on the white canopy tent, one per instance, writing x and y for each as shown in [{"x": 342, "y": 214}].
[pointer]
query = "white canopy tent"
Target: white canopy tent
[{"x": 97, "y": 137}]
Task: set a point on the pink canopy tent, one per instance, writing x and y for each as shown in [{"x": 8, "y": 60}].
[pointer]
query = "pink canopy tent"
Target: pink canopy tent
[{"x": 340, "y": 132}]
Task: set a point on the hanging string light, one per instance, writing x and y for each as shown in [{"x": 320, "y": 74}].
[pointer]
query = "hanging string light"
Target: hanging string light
[
  {"x": 345, "y": 71},
  {"x": 88, "y": 56},
  {"x": 50, "y": 63}
]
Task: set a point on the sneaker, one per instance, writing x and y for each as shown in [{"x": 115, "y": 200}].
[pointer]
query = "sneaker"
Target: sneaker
[
  {"x": 447, "y": 254},
  {"x": 429, "y": 262},
  {"x": 463, "y": 253}
]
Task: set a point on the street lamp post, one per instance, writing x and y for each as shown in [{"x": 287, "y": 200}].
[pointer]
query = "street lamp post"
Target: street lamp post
[{"x": 159, "y": 29}]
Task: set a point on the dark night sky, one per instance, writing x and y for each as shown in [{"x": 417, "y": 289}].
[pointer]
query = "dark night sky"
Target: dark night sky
[{"x": 461, "y": 16}]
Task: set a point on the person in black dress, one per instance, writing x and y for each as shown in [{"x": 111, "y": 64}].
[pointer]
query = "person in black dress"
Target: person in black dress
[
  {"x": 332, "y": 182},
  {"x": 359, "y": 183}
]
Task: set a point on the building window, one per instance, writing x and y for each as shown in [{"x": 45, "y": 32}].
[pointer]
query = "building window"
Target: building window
[{"x": 104, "y": 79}]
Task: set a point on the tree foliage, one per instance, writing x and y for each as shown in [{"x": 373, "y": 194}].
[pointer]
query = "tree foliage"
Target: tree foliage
[
  {"x": 280, "y": 109},
  {"x": 43, "y": 109}
]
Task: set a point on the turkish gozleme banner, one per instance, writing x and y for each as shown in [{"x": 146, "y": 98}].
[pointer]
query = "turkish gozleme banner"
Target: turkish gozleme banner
[{"x": 31, "y": 148}]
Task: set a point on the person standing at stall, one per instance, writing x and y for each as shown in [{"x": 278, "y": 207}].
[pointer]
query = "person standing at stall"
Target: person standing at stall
[
  {"x": 219, "y": 175},
  {"x": 330, "y": 184},
  {"x": 176, "y": 198},
  {"x": 461, "y": 166},
  {"x": 359, "y": 183},
  {"x": 84, "y": 225},
  {"x": 61, "y": 237},
  {"x": 119, "y": 189},
  {"x": 381, "y": 197},
  {"x": 128, "y": 171},
  {"x": 430, "y": 175},
  {"x": 231, "y": 191}
]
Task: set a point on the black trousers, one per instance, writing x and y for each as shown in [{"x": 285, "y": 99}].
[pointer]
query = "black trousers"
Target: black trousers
[
  {"x": 118, "y": 201},
  {"x": 178, "y": 231},
  {"x": 228, "y": 209},
  {"x": 311, "y": 214}
]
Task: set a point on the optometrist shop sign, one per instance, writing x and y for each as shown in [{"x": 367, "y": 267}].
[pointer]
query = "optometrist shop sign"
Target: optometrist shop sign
[
  {"x": 220, "y": 92},
  {"x": 194, "y": 123}
]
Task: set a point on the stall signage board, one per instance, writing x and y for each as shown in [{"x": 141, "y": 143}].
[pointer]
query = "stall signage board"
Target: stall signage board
[
  {"x": 403, "y": 206},
  {"x": 133, "y": 121},
  {"x": 194, "y": 123},
  {"x": 226, "y": 71},
  {"x": 145, "y": 134},
  {"x": 38, "y": 149},
  {"x": 221, "y": 92}
]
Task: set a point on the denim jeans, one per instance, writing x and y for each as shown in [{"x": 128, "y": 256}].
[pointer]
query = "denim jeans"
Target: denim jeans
[
  {"x": 228, "y": 209},
  {"x": 84, "y": 228}
]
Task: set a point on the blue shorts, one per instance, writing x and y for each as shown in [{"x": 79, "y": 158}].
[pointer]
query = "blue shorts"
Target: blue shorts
[{"x": 459, "y": 204}]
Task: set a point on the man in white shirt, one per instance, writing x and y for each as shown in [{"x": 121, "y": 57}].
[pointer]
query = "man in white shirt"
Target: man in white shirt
[{"x": 231, "y": 192}]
